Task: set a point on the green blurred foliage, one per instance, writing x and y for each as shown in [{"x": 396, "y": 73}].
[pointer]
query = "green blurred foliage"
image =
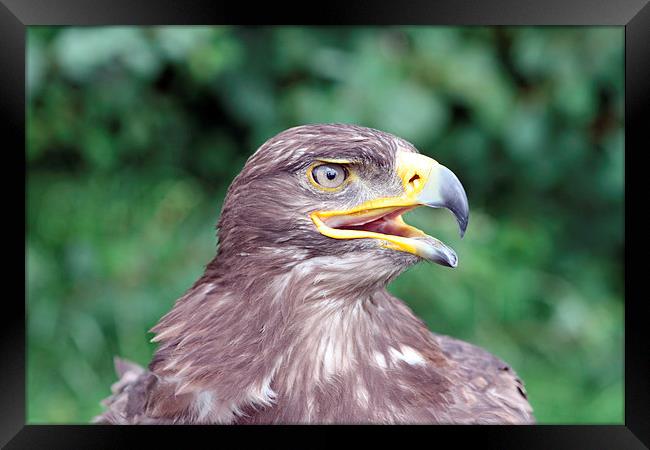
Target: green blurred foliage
[{"x": 134, "y": 135}]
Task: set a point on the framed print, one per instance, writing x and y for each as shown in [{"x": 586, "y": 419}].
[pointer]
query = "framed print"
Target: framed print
[{"x": 501, "y": 132}]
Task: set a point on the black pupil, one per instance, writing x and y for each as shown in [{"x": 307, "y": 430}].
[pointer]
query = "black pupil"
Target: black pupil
[{"x": 331, "y": 174}]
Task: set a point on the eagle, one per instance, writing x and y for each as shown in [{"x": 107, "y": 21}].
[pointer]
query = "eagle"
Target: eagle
[{"x": 291, "y": 321}]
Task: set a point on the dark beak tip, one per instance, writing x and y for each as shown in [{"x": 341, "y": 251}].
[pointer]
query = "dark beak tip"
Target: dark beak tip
[
  {"x": 462, "y": 227},
  {"x": 451, "y": 260},
  {"x": 454, "y": 198}
]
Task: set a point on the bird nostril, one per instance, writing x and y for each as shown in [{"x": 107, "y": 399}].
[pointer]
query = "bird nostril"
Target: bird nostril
[{"x": 414, "y": 181}]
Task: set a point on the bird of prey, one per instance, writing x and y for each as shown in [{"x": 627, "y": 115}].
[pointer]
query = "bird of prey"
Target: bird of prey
[{"x": 291, "y": 321}]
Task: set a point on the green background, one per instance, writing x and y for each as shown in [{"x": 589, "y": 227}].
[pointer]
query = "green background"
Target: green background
[{"x": 134, "y": 135}]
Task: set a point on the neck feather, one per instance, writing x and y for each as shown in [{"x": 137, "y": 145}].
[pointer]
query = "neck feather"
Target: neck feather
[{"x": 285, "y": 334}]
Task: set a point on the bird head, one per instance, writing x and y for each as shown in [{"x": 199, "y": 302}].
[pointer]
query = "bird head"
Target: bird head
[{"x": 338, "y": 191}]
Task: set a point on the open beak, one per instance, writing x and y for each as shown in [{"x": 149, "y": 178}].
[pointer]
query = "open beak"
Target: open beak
[{"x": 425, "y": 183}]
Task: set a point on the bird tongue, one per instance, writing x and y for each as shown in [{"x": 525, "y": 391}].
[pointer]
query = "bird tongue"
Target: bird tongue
[{"x": 357, "y": 220}]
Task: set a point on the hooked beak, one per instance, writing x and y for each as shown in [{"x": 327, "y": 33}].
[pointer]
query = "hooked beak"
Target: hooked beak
[{"x": 425, "y": 183}]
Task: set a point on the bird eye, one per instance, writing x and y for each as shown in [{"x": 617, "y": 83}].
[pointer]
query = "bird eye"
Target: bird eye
[{"x": 329, "y": 175}]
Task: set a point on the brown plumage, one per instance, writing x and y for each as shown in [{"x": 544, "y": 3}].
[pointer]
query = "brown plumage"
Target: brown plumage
[{"x": 291, "y": 321}]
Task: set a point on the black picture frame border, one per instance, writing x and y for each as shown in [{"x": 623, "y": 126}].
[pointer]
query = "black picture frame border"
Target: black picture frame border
[{"x": 17, "y": 15}]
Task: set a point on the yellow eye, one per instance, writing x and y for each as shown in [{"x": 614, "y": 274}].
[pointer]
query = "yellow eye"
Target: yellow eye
[{"x": 330, "y": 175}]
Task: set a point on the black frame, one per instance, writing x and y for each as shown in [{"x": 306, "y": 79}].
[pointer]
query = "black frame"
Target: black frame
[{"x": 16, "y": 15}]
